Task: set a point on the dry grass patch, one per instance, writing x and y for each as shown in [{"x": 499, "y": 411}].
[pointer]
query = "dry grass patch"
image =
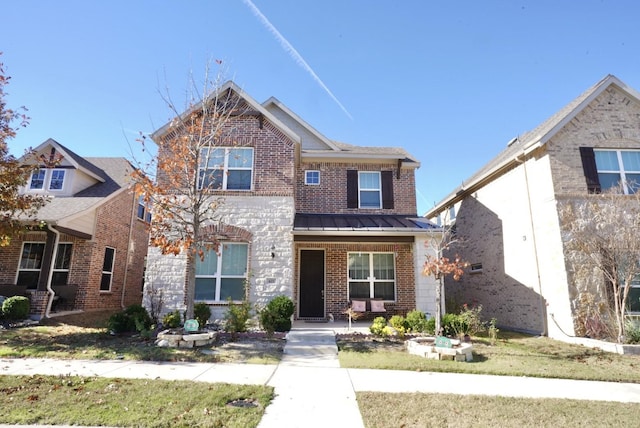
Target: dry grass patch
[{"x": 383, "y": 410}]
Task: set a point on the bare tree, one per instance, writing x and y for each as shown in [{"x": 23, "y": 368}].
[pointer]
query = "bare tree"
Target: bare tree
[
  {"x": 602, "y": 230},
  {"x": 179, "y": 183},
  {"x": 440, "y": 266}
]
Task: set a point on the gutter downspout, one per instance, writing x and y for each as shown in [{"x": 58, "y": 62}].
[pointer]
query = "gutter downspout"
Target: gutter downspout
[
  {"x": 54, "y": 256},
  {"x": 535, "y": 247},
  {"x": 126, "y": 267}
]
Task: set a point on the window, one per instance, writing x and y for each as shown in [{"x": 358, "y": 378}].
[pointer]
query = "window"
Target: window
[
  {"x": 107, "y": 269},
  {"x": 61, "y": 265},
  {"x": 222, "y": 275},
  {"x": 369, "y": 190},
  {"x": 30, "y": 264},
  {"x": 37, "y": 180},
  {"x": 617, "y": 167},
  {"x": 371, "y": 276},
  {"x": 475, "y": 268},
  {"x": 312, "y": 178},
  {"x": 57, "y": 179},
  {"x": 225, "y": 168},
  {"x": 144, "y": 213}
]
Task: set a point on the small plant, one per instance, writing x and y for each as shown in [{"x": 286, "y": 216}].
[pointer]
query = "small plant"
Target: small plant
[
  {"x": 202, "y": 313},
  {"x": 632, "y": 330},
  {"x": 236, "y": 317},
  {"x": 378, "y": 325},
  {"x": 493, "y": 331},
  {"x": 416, "y": 321},
  {"x": 276, "y": 316},
  {"x": 399, "y": 324},
  {"x": 16, "y": 308},
  {"x": 133, "y": 318},
  {"x": 172, "y": 319},
  {"x": 431, "y": 326}
]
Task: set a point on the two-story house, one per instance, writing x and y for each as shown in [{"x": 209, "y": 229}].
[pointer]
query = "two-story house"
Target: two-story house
[
  {"x": 507, "y": 214},
  {"x": 87, "y": 247},
  {"x": 307, "y": 217}
]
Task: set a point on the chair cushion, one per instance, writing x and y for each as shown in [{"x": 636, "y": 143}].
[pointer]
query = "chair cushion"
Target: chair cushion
[
  {"x": 377, "y": 306},
  {"x": 358, "y": 305}
]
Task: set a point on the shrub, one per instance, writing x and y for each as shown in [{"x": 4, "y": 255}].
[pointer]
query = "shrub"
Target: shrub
[
  {"x": 470, "y": 321},
  {"x": 133, "y": 318},
  {"x": 449, "y": 324},
  {"x": 430, "y": 326},
  {"x": 172, "y": 319},
  {"x": 416, "y": 321},
  {"x": 632, "y": 331},
  {"x": 236, "y": 317},
  {"x": 202, "y": 313},
  {"x": 493, "y": 331},
  {"x": 379, "y": 323},
  {"x": 16, "y": 308},
  {"x": 276, "y": 316},
  {"x": 399, "y": 323}
]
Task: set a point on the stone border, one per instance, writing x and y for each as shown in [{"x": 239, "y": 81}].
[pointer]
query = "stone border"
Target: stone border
[
  {"x": 425, "y": 347},
  {"x": 172, "y": 339}
]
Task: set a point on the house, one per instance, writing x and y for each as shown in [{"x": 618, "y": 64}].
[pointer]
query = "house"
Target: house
[
  {"x": 507, "y": 214},
  {"x": 87, "y": 248},
  {"x": 304, "y": 216}
]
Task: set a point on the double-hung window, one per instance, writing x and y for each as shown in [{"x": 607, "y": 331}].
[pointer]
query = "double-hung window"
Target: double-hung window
[
  {"x": 144, "y": 213},
  {"x": 618, "y": 167},
  {"x": 30, "y": 264},
  {"x": 57, "y": 179},
  {"x": 371, "y": 276},
  {"x": 61, "y": 265},
  {"x": 225, "y": 168},
  {"x": 107, "y": 269},
  {"x": 222, "y": 275},
  {"x": 53, "y": 178},
  {"x": 37, "y": 179},
  {"x": 370, "y": 190}
]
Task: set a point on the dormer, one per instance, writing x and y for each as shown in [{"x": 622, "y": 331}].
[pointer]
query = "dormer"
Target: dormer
[{"x": 60, "y": 172}]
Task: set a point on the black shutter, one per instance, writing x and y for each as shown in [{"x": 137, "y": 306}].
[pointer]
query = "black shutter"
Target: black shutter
[
  {"x": 590, "y": 169},
  {"x": 352, "y": 188},
  {"x": 387, "y": 190}
]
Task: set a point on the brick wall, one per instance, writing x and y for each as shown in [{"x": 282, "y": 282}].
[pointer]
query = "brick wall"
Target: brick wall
[
  {"x": 336, "y": 292},
  {"x": 330, "y": 197}
]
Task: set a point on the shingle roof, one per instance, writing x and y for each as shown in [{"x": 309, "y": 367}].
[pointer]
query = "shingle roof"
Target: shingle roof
[
  {"x": 361, "y": 222},
  {"x": 396, "y": 152}
]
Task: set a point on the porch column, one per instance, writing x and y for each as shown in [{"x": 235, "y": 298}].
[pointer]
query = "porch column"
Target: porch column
[{"x": 47, "y": 262}]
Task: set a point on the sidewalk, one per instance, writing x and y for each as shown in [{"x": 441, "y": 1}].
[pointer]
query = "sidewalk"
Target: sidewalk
[{"x": 311, "y": 389}]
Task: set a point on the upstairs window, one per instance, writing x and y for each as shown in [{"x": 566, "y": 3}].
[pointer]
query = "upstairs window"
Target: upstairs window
[
  {"x": 222, "y": 275},
  {"x": 225, "y": 168},
  {"x": 370, "y": 189},
  {"x": 54, "y": 178},
  {"x": 607, "y": 169},
  {"x": 144, "y": 213}
]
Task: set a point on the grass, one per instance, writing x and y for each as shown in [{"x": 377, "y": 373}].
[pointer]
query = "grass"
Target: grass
[
  {"x": 514, "y": 354},
  {"x": 381, "y": 410},
  {"x": 73, "y": 400},
  {"x": 84, "y": 336}
]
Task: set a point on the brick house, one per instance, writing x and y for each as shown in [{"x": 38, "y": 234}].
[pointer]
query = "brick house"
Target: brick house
[
  {"x": 507, "y": 214},
  {"x": 313, "y": 219},
  {"x": 87, "y": 251}
]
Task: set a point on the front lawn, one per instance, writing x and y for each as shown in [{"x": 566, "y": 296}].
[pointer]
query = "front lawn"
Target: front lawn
[{"x": 514, "y": 354}]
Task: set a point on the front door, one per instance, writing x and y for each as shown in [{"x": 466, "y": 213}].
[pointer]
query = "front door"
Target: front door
[{"x": 311, "y": 284}]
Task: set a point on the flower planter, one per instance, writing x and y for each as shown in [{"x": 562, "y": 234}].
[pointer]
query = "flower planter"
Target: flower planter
[{"x": 426, "y": 347}]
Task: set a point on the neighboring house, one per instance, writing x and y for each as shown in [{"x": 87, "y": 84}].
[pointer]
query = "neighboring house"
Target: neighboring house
[
  {"x": 506, "y": 216},
  {"x": 87, "y": 248},
  {"x": 319, "y": 221}
]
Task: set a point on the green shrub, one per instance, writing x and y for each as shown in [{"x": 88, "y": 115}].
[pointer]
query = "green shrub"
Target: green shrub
[
  {"x": 632, "y": 331},
  {"x": 172, "y": 319},
  {"x": 16, "y": 308},
  {"x": 431, "y": 326},
  {"x": 416, "y": 321},
  {"x": 276, "y": 316},
  {"x": 399, "y": 324},
  {"x": 378, "y": 325},
  {"x": 236, "y": 317},
  {"x": 450, "y": 324},
  {"x": 202, "y": 313},
  {"x": 133, "y": 318}
]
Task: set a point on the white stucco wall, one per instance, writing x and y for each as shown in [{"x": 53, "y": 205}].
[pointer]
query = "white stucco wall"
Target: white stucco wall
[{"x": 270, "y": 221}]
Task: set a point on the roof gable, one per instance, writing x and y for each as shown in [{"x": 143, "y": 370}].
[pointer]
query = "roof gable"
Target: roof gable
[{"x": 51, "y": 147}]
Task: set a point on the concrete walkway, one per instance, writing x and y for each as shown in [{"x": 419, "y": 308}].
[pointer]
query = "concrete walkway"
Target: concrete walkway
[{"x": 311, "y": 389}]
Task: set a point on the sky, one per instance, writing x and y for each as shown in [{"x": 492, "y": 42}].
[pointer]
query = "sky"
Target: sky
[{"x": 449, "y": 81}]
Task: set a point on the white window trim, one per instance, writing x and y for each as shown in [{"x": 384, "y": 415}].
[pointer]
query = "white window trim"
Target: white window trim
[
  {"x": 146, "y": 211},
  {"x": 49, "y": 181},
  {"x": 113, "y": 263},
  {"x": 44, "y": 179},
  {"x": 621, "y": 171},
  {"x": 53, "y": 265},
  {"x": 379, "y": 190},
  {"x": 225, "y": 168},
  {"x": 20, "y": 260},
  {"x": 306, "y": 177},
  {"x": 218, "y": 274},
  {"x": 372, "y": 279}
]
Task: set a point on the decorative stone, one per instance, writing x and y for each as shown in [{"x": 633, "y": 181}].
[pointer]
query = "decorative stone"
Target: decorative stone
[{"x": 425, "y": 348}]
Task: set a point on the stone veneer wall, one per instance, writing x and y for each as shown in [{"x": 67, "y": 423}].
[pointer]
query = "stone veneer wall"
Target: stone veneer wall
[
  {"x": 425, "y": 285},
  {"x": 268, "y": 220}
]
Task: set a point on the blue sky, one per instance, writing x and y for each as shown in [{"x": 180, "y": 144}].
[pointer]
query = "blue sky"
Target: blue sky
[{"x": 450, "y": 81}]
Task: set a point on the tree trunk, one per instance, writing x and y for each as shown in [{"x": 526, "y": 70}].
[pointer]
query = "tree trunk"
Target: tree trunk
[
  {"x": 439, "y": 306},
  {"x": 190, "y": 285}
]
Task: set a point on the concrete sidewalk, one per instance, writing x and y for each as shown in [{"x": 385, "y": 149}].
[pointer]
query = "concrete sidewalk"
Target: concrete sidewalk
[{"x": 311, "y": 389}]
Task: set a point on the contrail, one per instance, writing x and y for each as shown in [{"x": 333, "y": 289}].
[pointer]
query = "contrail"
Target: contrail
[{"x": 292, "y": 52}]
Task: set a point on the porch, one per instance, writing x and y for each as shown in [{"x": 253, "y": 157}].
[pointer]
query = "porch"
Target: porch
[{"x": 64, "y": 296}]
